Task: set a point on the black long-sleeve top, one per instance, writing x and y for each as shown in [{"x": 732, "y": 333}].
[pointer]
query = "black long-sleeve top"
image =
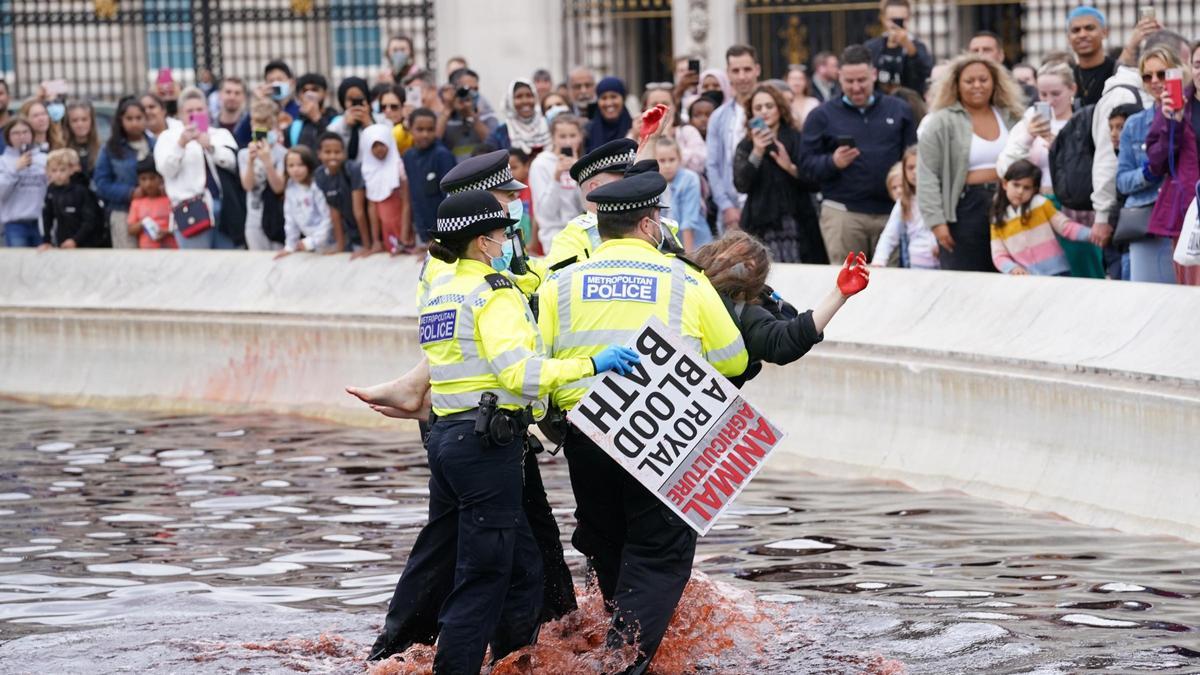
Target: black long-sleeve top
[
  {"x": 773, "y": 330},
  {"x": 72, "y": 212}
]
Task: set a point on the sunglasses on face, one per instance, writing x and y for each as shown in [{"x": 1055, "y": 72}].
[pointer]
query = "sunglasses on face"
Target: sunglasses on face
[
  {"x": 389, "y": 106},
  {"x": 1160, "y": 74}
]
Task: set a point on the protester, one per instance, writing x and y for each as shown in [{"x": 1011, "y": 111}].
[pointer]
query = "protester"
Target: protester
[
  {"x": 341, "y": 182},
  {"x": 315, "y": 116},
  {"x": 263, "y": 177},
  {"x": 556, "y": 196},
  {"x": 612, "y": 120},
  {"x": 726, "y": 129},
  {"x": 582, "y": 84},
  {"x": 150, "y": 210},
  {"x": 824, "y": 78},
  {"x": 1024, "y": 225},
  {"x": 975, "y": 105},
  {"x": 116, "y": 175},
  {"x": 355, "y": 98},
  {"x": 465, "y": 123},
  {"x": 1031, "y": 137},
  {"x": 773, "y": 331},
  {"x": 524, "y": 127},
  {"x": 188, "y": 157},
  {"x": 79, "y": 127},
  {"x": 23, "y": 184},
  {"x": 1149, "y": 256},
  {"x": 46, "y": 135},
  {"x": 849, "y": 146},
  {"x": 779, "y": 204},
  {"x": 1173, "y": 149},
  {"x": 71, "y": 217},
  {"x": 387, "y": 201},
  {"x": 426, "y": 163},
  {"x": 905, "y": 232},
  {"x": 231, "y": 107},
  {"x": 899, "y": 59},
  {"x": 683, "y": 194},
  {"x": 306, "y": 213},
  {"x": 802, "y": 102}
]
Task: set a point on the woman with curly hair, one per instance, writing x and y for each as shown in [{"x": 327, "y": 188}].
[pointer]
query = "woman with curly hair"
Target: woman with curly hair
[{"x": 976, "y": 103}]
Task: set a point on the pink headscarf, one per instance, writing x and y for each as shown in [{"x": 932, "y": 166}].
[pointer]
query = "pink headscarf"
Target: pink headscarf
[{"x": 726, "y": 88}]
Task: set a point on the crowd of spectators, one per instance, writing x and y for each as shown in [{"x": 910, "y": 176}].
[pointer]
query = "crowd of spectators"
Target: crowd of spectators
[{"x": 1082, "y": 165}]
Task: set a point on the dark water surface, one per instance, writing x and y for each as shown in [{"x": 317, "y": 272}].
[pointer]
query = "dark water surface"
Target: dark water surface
[{"x": 148, "y": 543}]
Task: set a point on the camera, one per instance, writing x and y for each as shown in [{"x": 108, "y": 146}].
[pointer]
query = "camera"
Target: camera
[
  {"x": 277, "y": 90},
  {"x": 464, "y": 92}
]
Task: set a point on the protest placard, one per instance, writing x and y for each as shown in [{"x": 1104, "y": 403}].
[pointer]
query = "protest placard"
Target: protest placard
[{"x": 678, "y": 426}]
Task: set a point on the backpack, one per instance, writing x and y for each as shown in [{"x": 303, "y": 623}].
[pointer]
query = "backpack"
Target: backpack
[
  {"x": 1071, "y": 157},
  {"x": 272, "y": 216},
  {"x": 232, "y": 219}
]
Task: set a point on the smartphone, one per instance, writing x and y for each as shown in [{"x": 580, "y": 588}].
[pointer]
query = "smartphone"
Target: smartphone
[
  {"x": 1146, "y": 12},
  {"x": 1174, "y": 85},
  {"x": 412, "y": 95},
  {"x": 899, "y": 23},
  {"x": 568, "y": 152},
  {"x": 55, "y": 88},
  {"x": 694, "y": 66},
  {"x": 200, "y": 121},
  {"x": 1043, "y": 110},
  {"x": 258, "y": 135},
  {"x": 27, "y": 148},
  {"x": 277, "y": 90},
  {"x": 845, "y": 142},
  {"x": 758, "y": 124}
]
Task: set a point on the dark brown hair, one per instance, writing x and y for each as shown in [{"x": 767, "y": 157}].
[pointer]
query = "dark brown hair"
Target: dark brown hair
[
  {"x": 737, "y": 265},
  {"x": 785, "y": 110}
]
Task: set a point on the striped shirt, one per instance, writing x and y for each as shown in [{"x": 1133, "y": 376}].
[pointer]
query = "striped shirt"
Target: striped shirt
[{"x": 1029, "y": 243}]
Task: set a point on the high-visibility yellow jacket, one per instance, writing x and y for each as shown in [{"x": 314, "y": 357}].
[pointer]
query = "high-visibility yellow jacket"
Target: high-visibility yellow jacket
[
  {"x": 580, "y": 238},
  {"x": 604, "y": 300},
  {"x": 435, "y": 272},
  {"x": 479, "y": 335}
]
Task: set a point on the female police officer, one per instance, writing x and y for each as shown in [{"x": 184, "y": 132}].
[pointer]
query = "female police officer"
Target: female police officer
[{"x": 487, "y": 372}]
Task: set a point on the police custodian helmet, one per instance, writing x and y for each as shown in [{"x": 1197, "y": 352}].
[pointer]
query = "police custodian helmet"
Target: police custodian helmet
[
  {"x": 485, "y": 172},
  {"x": 471, "y": 213}
]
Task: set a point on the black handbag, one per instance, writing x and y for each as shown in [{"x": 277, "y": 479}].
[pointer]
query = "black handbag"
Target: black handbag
[{"x": 1132, "y": 224}]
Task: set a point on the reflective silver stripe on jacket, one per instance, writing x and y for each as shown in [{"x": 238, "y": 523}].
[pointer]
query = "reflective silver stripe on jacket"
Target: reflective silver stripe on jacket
[
  {"x": 728, "y": 352},
  {"x": 470, "y": 399}
]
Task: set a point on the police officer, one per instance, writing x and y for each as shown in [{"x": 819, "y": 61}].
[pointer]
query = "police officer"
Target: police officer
[
  {"x": 608, "y": 163},
  {"x": 640, "y": 552},
  {"x": 488, "y": 373}
]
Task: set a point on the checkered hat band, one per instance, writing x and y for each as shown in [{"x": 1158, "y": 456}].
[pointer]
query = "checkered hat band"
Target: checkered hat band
[
  {"x": 445, "y": 225},
  {"x": 607, "y": 163},
  {"x": 489, "y": 182},
  {"x": 627, "y": 206}
]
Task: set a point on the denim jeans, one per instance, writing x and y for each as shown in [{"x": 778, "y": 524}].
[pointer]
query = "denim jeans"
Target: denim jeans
[{"x": 22, "y": 234}]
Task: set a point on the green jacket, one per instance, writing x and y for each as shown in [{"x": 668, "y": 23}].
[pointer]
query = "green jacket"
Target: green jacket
[{"x": 943, "y": 156}]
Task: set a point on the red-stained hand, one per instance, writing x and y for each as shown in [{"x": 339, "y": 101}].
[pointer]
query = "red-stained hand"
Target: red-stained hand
[
  {"x": 651, "y": 119},
  {"x": 855, "y": 274}
]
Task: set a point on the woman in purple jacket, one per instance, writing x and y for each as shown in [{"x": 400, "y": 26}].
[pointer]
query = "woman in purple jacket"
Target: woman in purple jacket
[{"x": 1173, "y": 150}]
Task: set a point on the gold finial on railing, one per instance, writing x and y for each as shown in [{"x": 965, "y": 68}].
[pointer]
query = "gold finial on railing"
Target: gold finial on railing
[
  {"x": 302, "y": 7},
  {"x": 106, "y": 9}
]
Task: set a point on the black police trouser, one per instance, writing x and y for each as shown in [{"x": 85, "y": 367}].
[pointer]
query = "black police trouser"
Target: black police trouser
[
  {"x": 639, "y": 550},
  {"x": 497, "y": 591},
  {"x": 412, "y": 616}
]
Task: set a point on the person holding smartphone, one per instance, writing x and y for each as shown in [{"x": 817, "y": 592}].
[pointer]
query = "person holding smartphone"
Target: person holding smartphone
[
  {"x": 354, "y": 95},
  {"x": 900, "y": 59},
  {"x": 850, "y": 144},
  {"x": 315, "y": 116},
  {"x": 556, "y": 197},
  {"x": 23, "y": 185}
]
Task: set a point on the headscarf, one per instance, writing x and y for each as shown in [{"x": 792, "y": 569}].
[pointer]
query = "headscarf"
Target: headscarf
[
  {"x": 726, "y": 88},
  {"x": 600, "y": 130},
  {"x": 344, "y": 89},
  {"x": 525, "y": 133},
  {"x": 382, "y": 176}
]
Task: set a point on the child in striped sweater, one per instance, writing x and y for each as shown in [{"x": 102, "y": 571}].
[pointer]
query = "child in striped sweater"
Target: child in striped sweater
[{"x": 1024, "y": 223}]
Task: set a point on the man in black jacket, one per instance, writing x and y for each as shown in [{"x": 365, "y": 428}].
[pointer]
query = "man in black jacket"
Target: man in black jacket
[
  {"x": 72, "y": 217},
  {"x": 314, "y": 116},
  {"x": 902, "y": 61}
]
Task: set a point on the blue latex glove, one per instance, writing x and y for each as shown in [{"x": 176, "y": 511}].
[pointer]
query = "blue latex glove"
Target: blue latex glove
[{"x": 620, "y": 360}]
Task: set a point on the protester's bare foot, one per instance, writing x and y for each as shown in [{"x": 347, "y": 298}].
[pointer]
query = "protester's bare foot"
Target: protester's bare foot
[
  {"x": 395, "y": 394},
  {"x": 397, "y": 413}
]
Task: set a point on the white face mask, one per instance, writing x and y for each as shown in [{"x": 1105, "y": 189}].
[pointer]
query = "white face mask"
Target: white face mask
[{"x": 662, "y": 236}]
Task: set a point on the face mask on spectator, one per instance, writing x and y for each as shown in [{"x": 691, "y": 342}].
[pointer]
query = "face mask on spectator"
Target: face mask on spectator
[
  {"x": 399, "y": 61},
  {"x": 57, "y": 111}
]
